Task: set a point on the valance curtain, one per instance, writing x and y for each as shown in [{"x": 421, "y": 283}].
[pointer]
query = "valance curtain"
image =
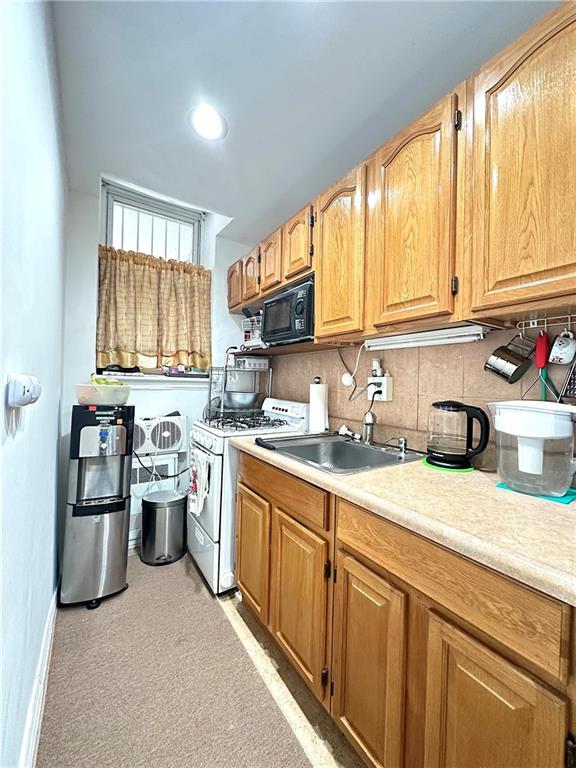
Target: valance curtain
[{"x": 152, "y": 312}]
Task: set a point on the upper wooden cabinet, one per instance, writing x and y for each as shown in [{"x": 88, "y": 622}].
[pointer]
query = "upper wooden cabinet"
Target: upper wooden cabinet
[
  {"x": 411, "y": 220},
  {"x": 271, "y": 261},
  {"x": 297, "y": 245},
  {"x": 253, "y": 549},
  {"x": 523, "y": 189},
  {"x": 250, "y": 276},
  {"x": 235, "y": 284},
  {"x": 369, "y": 662},
  {"x": 340, "y": 241},
  {"x": 485, "y": 712}
]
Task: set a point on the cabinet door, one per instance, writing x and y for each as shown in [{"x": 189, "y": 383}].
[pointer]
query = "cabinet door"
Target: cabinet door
[
  {"x": 524, "y": 154},
  {"x": 484, "y": 712},
  {"x": 298, "y": 596},
  {"x": 340, "y": 238},
  {"x": 369, "y": 662},
  {"x": 271, "y": 261},
  {"x": 297, "y": 247},
  {"x": 411, "y": 220},
  {"x": 253, "y": 549},
  {"x": 250, "y": 276},
  {"x": 235, "y": 284}
]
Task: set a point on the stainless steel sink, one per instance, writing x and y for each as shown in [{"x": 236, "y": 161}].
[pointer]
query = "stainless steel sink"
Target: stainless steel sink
[{"x": 337, "y": 454}]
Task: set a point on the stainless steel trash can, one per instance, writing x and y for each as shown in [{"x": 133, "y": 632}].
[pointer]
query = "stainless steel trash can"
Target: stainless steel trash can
[{"x": 163, "y": 527}]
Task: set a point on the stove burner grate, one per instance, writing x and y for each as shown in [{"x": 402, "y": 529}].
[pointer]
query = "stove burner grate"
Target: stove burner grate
[{"x": 235, "y": 422}]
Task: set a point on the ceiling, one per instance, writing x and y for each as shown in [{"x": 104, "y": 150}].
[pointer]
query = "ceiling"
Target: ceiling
[{"x": 308, "y": 89}]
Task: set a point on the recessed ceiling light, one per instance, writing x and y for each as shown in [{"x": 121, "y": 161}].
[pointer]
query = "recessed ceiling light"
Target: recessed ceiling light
[{"x": 208, "y": 123}]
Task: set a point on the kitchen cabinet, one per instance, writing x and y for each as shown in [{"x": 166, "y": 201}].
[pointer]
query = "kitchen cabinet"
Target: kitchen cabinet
[
  {"x": 339, "y": 233},
  {"x": 481, "y": 710},
  {"x": 411, "y": 220},
  {"x": 369, "y": 662},
  {"x": 250, "y": 276},
  {"x": 522, "y": 181},
  {"x": 423, "y": 657},
  {"x": 298, "y": 596},
  {"x": 299, "y": 561},
  {"x": 234, "y": 281},
  {"x": 297, "y": 243},
  {"x": 253, "y": 549},
  {"x": 271, "y": 261}
]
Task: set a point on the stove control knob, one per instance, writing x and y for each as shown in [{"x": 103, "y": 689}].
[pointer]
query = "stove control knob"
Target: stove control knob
[{"x": 209, "y": 442}]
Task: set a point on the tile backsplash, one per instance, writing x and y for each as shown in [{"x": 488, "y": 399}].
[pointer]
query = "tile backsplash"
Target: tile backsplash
[{"x": 421, "y": 376}]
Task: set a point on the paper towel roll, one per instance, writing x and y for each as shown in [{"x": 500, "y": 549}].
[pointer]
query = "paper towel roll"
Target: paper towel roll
[{"x": 318, "y": 407}]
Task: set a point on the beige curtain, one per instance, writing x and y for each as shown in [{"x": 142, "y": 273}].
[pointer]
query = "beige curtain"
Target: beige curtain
[{"x": 152, "y": 312}]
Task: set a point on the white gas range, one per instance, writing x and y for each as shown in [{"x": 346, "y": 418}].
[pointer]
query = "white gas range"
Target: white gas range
[{"x": 213, "y": 469}]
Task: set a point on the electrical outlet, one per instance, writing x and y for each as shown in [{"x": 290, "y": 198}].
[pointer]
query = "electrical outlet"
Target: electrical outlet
[
  {"x": 375, "y": 383},
  {"x": 384, "y": 383}
]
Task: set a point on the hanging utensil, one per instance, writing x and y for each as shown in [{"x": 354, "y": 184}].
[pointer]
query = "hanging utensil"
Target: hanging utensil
[
  {"x": 541, "y": 356},
  {"x": 511, "y": 361}
]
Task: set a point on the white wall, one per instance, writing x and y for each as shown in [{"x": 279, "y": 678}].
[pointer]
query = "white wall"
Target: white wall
[{"x": 33, "y": 199}]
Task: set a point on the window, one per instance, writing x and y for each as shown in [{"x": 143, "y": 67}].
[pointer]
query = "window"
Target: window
[{"x": 138, "y": 222}]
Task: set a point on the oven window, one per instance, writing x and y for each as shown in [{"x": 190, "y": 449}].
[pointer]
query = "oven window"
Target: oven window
[{"x": 277, "y": 316}]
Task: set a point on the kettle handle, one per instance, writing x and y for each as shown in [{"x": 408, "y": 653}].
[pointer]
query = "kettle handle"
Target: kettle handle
[{"x": 477, "y": 413}]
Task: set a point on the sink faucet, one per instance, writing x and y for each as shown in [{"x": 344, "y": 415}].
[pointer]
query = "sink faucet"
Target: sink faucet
[{"x": 368, "y": 421}]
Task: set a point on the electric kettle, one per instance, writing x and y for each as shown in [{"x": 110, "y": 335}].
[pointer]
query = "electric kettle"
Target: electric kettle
[{"x": 450, "y": 434}]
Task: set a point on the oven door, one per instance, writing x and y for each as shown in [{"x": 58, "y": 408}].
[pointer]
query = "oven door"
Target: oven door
[{"x": 205, "y": 491}]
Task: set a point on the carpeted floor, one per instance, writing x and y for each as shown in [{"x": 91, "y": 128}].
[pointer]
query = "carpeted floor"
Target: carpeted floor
[{"x": 157, "y": 678}]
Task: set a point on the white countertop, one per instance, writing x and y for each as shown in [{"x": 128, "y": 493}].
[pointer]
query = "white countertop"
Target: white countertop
[{"x": 526, "y": 538}]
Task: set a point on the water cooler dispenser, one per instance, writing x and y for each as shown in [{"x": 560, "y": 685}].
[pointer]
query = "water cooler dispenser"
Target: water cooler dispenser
[{"x": 95, "y": 549}]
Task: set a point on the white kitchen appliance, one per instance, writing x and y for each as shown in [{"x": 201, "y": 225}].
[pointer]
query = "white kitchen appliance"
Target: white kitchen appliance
[
  {"x": 535, "y": 445},
  {"x": 159, "y": 434},
  {"x": 213, "y": 470}
]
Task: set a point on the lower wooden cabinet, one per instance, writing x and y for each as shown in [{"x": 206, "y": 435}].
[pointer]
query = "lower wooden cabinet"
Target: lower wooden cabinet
[
  {"x": 369, "y": 662},
  {"x": 484, "y": 712},
  {"x": 253, "y": 549},
  {"x": 398, "y": 640},
  {"x": 298, "y": 596}
]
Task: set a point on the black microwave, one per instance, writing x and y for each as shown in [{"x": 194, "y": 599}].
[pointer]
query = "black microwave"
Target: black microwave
[{"x": 289, "y": 317}]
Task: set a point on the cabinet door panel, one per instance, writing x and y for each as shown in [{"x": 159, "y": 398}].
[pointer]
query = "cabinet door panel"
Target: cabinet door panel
[
  {"x": 298, "y": 594},
  {"x": 253, "y": 549},
  {"x": 250, "y": 276},
  {"x": 235, "y": 284},
  {"x": 340, "y": 237},
  {"x": 484, "y": 712},
  {"x": 297, "y": 242},
  {"x": 411, "y": 220},
  {"x": 369, "y": 662},
  {"x": 524, "y": 154},
  {"x": 271, "y": 261}
]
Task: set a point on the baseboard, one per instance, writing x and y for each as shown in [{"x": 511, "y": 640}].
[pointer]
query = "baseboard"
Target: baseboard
[{"x": 36, "y": 704}]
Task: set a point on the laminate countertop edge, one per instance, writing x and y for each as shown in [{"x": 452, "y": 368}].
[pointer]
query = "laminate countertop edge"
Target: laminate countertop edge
[{"x": 544, "y": 577}]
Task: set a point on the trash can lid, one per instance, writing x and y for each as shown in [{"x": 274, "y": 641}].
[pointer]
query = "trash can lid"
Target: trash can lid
[{"x": 165, "y": 498}]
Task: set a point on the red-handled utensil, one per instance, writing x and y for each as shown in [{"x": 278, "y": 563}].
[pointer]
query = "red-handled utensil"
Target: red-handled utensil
[{"x": 541, "y": 355}]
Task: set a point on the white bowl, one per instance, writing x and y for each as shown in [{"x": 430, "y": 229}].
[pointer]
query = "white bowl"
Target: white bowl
[{"x": 101, "y": 394}]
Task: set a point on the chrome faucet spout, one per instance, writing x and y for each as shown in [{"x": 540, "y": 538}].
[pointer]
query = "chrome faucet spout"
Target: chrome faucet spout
[{"x": 368, "y": 422}]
